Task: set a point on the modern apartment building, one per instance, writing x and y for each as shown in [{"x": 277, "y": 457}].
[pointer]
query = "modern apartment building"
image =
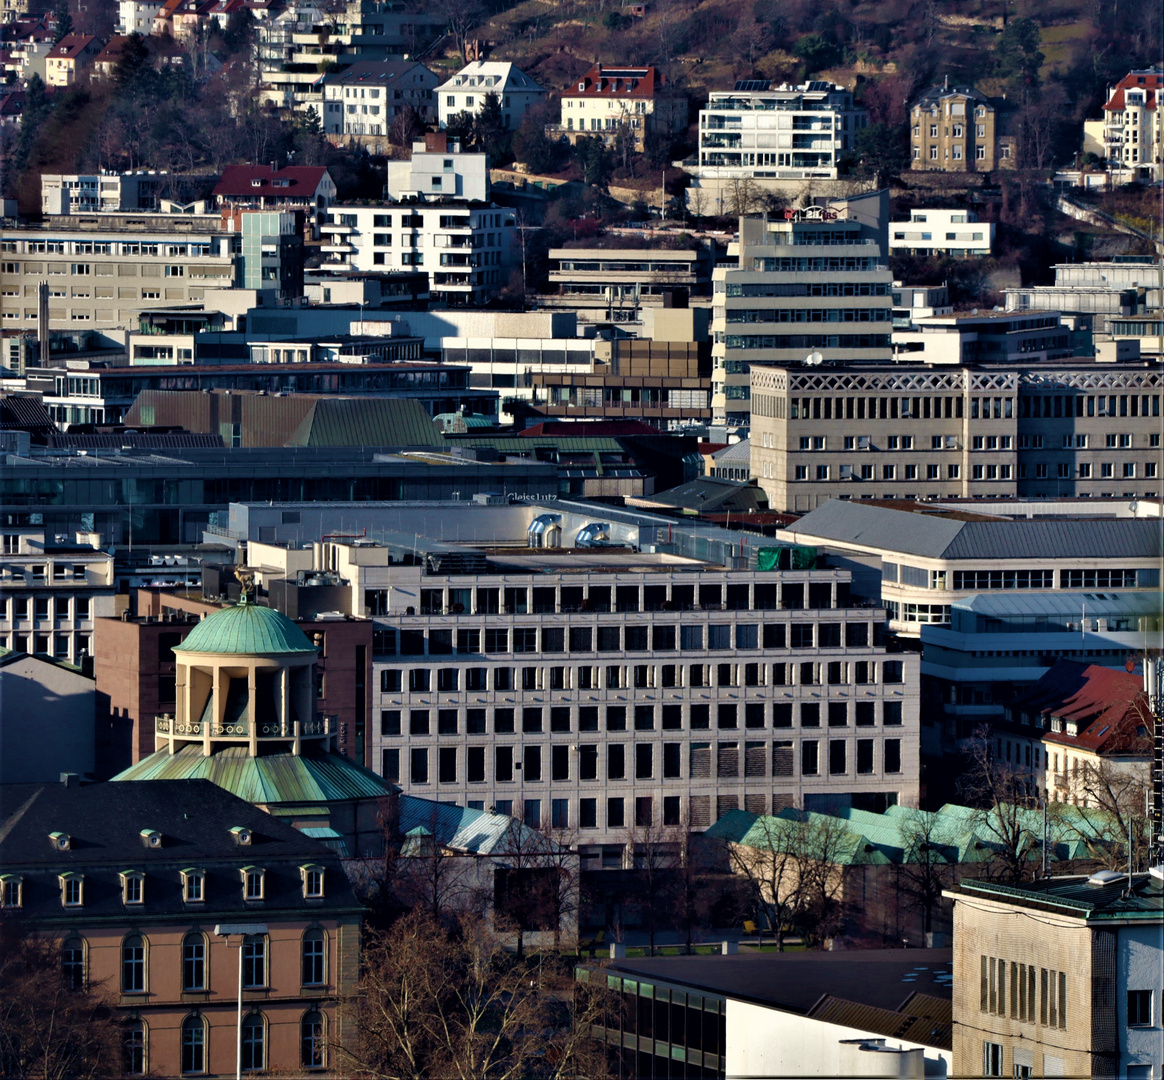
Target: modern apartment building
[
  {"x": 439, "y": 169},
  {"x": 895, "y": 431},
  {"x": 1058, "y": 977},
  {"x": 606, "y": 670},
  {"x": 103, "y": 269},
  {"x": 777, "y": 132},
  {"x": 993, "y": 337},
  {"x": 51, "y": 588},
  {"x": 808, "y": 283},
  {"x": 956, "y": 129},
  {"x": 622, "y": 280},
  {"x": 956, "y": 233},
  {"x": 916, "y": 561},
  {"x": 465, "y": 247}
]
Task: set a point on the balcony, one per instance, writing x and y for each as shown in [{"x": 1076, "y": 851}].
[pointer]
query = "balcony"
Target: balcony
[{"x": 169, "y": 727}]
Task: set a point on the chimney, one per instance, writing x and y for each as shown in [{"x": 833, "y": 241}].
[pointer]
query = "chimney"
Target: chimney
[{"x": 946, "y": 83}]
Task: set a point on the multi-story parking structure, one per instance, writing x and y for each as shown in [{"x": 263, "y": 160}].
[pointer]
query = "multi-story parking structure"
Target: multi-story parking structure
[
  {"x": 604, "y": 670},
  {"x": 894, "y": 431},
  {"x": 809, "y": 283},
  {"x": 51, "y": 589}
]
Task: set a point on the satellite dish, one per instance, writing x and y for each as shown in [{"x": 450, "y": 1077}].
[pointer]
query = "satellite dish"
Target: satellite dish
[{"x": 814, "y": 358}]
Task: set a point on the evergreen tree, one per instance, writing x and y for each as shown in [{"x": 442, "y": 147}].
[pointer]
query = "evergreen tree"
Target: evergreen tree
[
  {"x": 36, "y": 110},
  {"x": 63, "y": 22}
]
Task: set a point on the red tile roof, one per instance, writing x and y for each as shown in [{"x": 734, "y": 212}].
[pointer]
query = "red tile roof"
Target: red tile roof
[
  {"x": 238, "y": 181},
  {"x": 72, "y": 45},
  {"x": 635, "y": 82},
  {"x": 1109, "y": 708},
  {"x": 1149, "y": 82}
]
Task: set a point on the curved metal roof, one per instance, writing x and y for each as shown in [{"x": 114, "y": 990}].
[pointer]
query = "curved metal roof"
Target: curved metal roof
[
  {"x": 246, "y": 629},
  {"x": 315, "y": 776}
]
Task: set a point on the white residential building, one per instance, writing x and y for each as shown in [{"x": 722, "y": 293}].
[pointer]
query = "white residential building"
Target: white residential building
[
  {"x": 438, "y": 169},
  {"x": 137, "y": 16},
  {"x": 465, "y": 248},
  {"x": 609, "y": 101},
  {"x": 1132, "y": 125},
  {"x": 956, "y": 233},
  {"x": 610, "y": 668},
  {"x": 364, "y": 99},
  {"x": 466, "y": 92},
  {"x": 788, "y": 132}
]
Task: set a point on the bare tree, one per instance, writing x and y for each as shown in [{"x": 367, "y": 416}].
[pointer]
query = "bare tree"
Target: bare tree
[
  {"x": 925, "y": 870},
  {"x": 653, "y": 858},
  {"x": 823, "y": 846},
  {"x": 461, "y": 16},
  {"x": 48, "y": 1029},
  {"x": 526, "y": 888},
  {"x": 1001, "y": 794},
  {"x": 1111, "y": 805},
  {"x": 562, "y": 884},
  {"x": 432, "y": 877},
  {"x": 460, "y": 1005},
  {"x": 768, "y": 864}
]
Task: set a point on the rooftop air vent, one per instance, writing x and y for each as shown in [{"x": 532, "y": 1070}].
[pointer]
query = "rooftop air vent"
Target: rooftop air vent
[{"x": 1105, "y": 877}]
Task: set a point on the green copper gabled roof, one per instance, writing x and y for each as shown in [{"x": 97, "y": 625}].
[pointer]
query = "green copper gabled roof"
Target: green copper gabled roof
[
  {"x": 313, "y": 776},
  {"x": 246, "y": 629}
]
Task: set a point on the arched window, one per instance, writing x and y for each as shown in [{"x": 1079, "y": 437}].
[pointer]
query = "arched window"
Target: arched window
[
  {"x": 193, "y": 961},
  {"x": 314, "y": 958},
  {"x": 133, "y": 964},
  {"x": 73, "y": 963},
  {"x": 254, "y": 1047},
  {"x": 133, "y": 1047},
  {"x": 193, "y": 1044},
  {"x": 311, "y": 1047}
]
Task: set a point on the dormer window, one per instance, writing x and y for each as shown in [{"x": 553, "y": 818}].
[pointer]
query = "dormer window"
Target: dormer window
[
  {"x": 242, "y": 836},
  {"x": 72, "y": 890},
  {"x": 61, "y": 841},
  {"x": 151, "y": 838},
  {"x": 312, "y": 881},
  {"x": 132, "y": 887},
  {"x": 11, "y": 891},
  {"x": 252, "y": 877},
  {"x": 193, "y": 886},
  {"x": 256, "y": 183}
]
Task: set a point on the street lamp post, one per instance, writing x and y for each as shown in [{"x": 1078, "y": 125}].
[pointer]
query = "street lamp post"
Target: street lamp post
[{"x": 242, "y": 931}]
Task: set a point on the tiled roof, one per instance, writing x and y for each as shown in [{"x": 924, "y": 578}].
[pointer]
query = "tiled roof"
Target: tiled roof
[
  {"x": 1149, "y": 81},
  {"x": 246, "y": 181},
  {"x": 508, "y": 78},
  {"x": 1108, "y": 707},
  {"x": 367, "y": 72},
  {"x": 599, "y": 82},
  {"x": 71, "y": 46}
]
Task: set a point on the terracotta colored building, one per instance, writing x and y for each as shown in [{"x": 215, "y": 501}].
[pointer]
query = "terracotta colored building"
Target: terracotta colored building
[
  {"x": 136, "y": 675},
  {"x": 140, "y": 884}
]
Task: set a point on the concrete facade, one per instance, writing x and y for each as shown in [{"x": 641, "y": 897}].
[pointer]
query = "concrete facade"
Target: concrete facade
[
  {"x": 956, "y": 130},
  {"x": 46, "y": 720},
  {"x": 812, "y": 282},
  {"x": 1062, "y": 430},
  {"x": 956, "y": 233}
]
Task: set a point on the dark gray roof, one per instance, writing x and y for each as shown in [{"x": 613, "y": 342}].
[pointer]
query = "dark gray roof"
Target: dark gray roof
[
  {"x": 937, "y": 537},
  {"x": 797, "y": 982},
  {"x": 104, "y": 823}
]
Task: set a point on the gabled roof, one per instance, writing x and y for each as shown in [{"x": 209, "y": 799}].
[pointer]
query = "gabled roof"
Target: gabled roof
[
  {"x": 71, "y": 46},
  {"x": 1151, "y": 82},
  {"x": 374, "y": 73},
  {"x": 936, "y": 536},
  {"x": 1108, "y": 708},
  {"x": 601, "y": 82},
  {"x": 249, "y": 181},
  {"x": 507, "y": 78}
]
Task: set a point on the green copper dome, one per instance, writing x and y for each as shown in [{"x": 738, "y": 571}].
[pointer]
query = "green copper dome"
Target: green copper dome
[{"x": 246, "y": 629}]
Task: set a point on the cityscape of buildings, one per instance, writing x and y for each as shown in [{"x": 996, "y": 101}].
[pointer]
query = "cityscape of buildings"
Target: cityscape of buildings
[{"x": 627, "y": 589}]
